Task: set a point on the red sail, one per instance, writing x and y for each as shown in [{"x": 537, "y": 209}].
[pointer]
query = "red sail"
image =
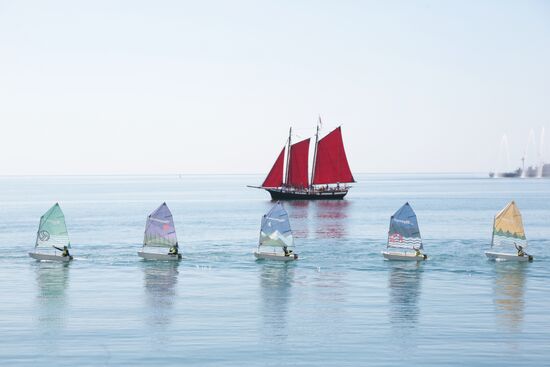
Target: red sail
[
  {"x": 275, "y": 176},
  {"x": 331, "y": 164},
  {"x": 298, "y": 170}
]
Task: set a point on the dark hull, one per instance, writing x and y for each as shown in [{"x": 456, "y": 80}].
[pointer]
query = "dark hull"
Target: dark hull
[
  {"x": 509, "y": 174},
  {"x": 516, "y": 173},
  {"x": 277, "y": 194}
]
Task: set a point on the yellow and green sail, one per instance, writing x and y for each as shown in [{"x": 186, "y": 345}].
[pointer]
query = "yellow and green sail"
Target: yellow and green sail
[{"x": 508, "y": 226}]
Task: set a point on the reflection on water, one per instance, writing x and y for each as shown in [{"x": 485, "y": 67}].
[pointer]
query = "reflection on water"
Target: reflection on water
[
  {"x": 276, "y": 280},
  {"x": 160, "y": 279},
  {"x": 52, "y": 279},
  {"x": 330, "y": 217},
  {"x": 299, "y": 208},
  {"x": 405, "y": 288},
  {"x": 508, "y": 294},
  {"x": 298, "y": 212}
]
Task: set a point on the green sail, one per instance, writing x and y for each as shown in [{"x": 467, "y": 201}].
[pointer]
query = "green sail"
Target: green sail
[{"x": 52, "y": 230}]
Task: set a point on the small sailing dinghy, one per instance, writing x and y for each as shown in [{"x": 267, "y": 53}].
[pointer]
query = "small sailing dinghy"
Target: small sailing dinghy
[
  {"x": 277, "y": 235},
  {"x": 404, "y": 235},
  {"x": 52, "y": 234},
  {"x": 160, "y": 233},
  {"x": 509, "y": 241}
]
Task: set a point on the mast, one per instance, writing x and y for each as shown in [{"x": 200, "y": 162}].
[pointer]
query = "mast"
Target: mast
[
  {"x": 260, "y": 236},
  {"x": 288, "y": 157},
  {"x": 493, "y": 237},
  {"x": 315, "y": 152},
  {"x": 388, "y": 242}
]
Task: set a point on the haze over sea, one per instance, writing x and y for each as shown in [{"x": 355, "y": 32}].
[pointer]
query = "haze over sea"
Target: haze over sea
[{"x": 340, "y": 304}]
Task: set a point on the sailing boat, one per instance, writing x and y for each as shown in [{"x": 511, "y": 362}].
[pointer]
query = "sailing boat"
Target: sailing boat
[
  {"x": 329, "y": 175},
  {"x": 276, "y": 233},
  {"x": 160, "y": 232},
  {"x": 52, "y": 234},
  {"x": 404, "y": 235},
  {"x": 508, "y": 235}
]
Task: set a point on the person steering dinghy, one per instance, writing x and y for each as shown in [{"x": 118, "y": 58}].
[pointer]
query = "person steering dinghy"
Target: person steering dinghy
[
  {"x": 174, "y": 250},
  {"x": 287, "y": 251},
  {"x": 520, "y": 249},
  {"x": 64, "y": 250}
]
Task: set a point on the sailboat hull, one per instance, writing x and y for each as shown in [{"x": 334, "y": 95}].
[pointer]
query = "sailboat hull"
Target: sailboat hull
[
  {"x": 278, "y": 194},
  {"x": 274, "y": 256},
  {"x": 507, "y": 257},
  {"x": 160, "y": 257},
  {"x": 46, "y": 257},
  {"x": 400, "y": 256}
]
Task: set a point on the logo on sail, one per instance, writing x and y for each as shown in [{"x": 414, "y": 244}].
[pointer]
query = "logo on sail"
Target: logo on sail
[
  {"x": 43, "y": 235},
  {"x": 396, "y": 237},
  {"x": 407, "y": 222}
]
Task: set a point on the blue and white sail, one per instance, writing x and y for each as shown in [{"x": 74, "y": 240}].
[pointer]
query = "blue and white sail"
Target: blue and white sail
[
  {"x": 276, "y": 231},
  {"x": 159, "y": 229},
  {"x": 404, "y": 232}
]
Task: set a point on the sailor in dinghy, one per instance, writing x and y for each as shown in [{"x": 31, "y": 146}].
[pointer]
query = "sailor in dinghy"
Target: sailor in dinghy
[
  {"x": 404, "y": 235},
  {"x": 52, "y": 234},
  {"x": 160, "y": 232},
  {"x": 276, "y": 233},
  {"x": 508, "y": 235}
]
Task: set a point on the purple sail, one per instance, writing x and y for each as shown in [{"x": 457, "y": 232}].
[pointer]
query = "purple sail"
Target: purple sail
[{"x": 159, "y": 229}]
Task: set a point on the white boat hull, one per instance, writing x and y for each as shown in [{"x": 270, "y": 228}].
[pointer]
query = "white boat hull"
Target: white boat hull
[
  {"x": 46, "y": 257},
  {"x": 403, "y": 256},
  {"x": 274, "y": 256},
  {"x": 507, "y": 257},
  {"x": 161, "y": 257}
]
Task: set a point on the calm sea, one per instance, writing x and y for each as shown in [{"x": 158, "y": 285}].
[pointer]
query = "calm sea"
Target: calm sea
[{"x": 340, "y": 304}]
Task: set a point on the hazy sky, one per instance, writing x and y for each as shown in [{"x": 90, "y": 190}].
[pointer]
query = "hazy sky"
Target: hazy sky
[{"x": 212, "y": 87}]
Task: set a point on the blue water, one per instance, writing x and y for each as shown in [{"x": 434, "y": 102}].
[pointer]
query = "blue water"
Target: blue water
[{"x": 340, "y": 304}]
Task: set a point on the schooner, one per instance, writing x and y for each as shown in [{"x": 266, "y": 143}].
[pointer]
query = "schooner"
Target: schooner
[{"x": 289, "y": 177}]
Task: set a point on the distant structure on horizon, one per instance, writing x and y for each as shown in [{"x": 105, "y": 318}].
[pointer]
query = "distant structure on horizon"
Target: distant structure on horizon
[
  {"x": 533, "y": 171},
  {"x": 529, "y": 172}
]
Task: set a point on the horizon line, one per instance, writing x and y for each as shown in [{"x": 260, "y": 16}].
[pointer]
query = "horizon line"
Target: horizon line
[{"x": 228, "y": 174}]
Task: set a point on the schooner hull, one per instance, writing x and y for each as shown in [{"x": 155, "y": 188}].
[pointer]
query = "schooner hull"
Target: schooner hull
[
  {"x": 507, "y": 257},
  {"x": 159, "y": 257},
  {"x": 274, "y": 256},
  {"x": 278, "y": 194},
  {"x": 46, "y": 257},
  {"x": 400, "y": 256}
]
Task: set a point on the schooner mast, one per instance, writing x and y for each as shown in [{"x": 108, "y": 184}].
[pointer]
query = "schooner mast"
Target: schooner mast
[
  {"x": 315, "y": 152},
  {"x": 285, "y": 183}
]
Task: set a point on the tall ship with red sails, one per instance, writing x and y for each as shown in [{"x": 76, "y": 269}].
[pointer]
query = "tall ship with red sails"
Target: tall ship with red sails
[{"x": 330, "y": 175}]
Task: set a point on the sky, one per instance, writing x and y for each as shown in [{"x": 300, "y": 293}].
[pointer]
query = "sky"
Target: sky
[{"x": 186, "y": 87}]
